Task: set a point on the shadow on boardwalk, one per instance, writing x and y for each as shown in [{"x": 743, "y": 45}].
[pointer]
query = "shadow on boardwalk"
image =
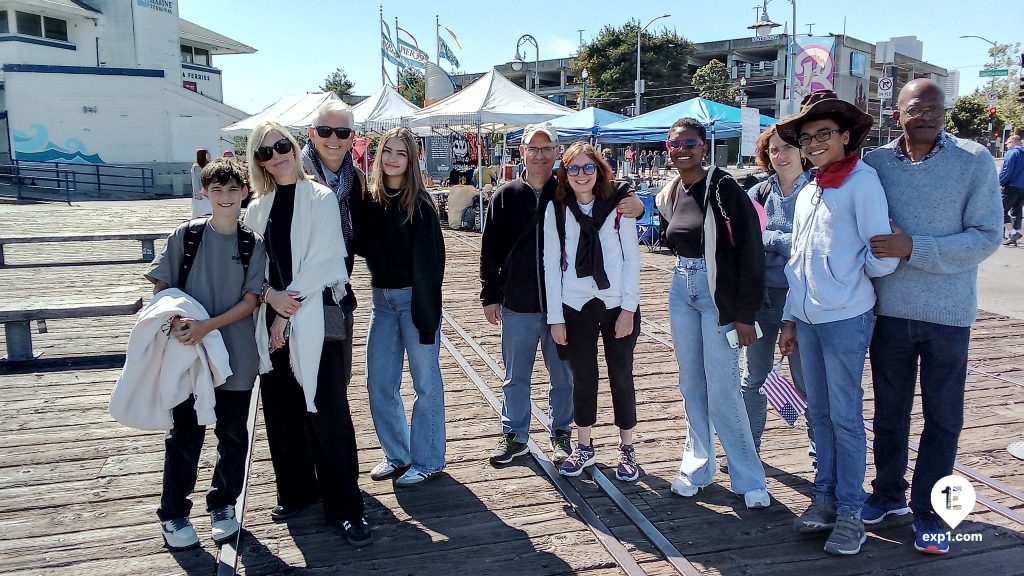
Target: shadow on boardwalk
[{"x": 441, "y": 527}]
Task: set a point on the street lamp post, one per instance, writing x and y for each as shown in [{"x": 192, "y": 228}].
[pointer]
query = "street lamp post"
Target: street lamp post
[
  {"x": 639, "y": 87},
  {"x": 991, "y": 85},
  {"x": 584, "y": 77},
  {"x": 790, "y": 73},
  {"x": 517, "y": 64}
]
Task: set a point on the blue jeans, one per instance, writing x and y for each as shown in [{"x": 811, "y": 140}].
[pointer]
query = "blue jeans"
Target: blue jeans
[
  {"x": 832, "y": 357},
  {"x": 520, "y": 333},
  {"x": 897, "y": 345},
  {"x": 392, "y": 335},
  {"x": 759, "y": 360},
  {"x": 709, "y": 379}
]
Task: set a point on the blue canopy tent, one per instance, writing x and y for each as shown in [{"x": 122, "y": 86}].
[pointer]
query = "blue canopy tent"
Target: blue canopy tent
[
  {"x": 584, "y": 124},
  {"x": 721, "y": 120}
]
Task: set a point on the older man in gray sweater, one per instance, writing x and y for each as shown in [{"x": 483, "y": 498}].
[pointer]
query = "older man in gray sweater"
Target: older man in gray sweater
[{"x": 944, "y": 201}]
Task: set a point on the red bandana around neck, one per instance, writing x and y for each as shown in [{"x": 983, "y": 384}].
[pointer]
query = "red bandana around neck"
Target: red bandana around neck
[{"x": 833, "y": 175}]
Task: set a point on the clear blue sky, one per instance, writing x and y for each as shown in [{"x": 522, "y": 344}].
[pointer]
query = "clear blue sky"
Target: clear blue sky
[{"x": 300, "y": 42}]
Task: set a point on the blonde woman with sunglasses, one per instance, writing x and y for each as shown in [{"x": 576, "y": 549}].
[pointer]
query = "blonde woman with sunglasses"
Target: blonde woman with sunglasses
[{"x": 305, "y": 402}]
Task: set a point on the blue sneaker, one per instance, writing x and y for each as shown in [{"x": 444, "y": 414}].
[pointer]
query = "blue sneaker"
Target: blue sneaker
[
  {"x": 930, "y": 534},
  {"x": 875, "y": 510}
]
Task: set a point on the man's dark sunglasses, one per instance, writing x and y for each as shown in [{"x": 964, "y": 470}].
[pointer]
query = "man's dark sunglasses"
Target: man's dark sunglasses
[
  {"x": 325, "y": 132},
  {"x": 574, "y": 170},
  {"x": 264, "y": 153},
  {"x": 689, "y": 143}
]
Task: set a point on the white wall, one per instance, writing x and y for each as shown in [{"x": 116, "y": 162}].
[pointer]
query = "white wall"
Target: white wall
[
  {"x": 136, "y": 119},
  {"x": 81, "y": 33}
]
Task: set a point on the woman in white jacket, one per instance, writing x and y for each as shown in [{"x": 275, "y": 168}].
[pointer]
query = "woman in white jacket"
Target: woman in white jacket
[
  {"x": 830, "y": 306},
  {"x": 305, "y": 400},
  {"x": 592, "y": 275}
]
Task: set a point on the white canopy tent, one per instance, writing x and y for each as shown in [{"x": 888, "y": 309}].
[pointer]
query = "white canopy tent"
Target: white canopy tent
[
  {"x": 491, "y": 102},
  {"x": 292, "y": 111},
  {"x": 382, "y": 110}
]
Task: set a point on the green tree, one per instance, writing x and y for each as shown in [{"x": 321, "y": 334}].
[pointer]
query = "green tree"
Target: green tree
[
  {"x": 411, "y": 85},
  {"x": 610, "y": 61},
  {"x": 969, "y": 117},
  {"x": 338, "y": 83},
  {"x": 712, "y": 82},
  {"x": 1011, "y": 111}
]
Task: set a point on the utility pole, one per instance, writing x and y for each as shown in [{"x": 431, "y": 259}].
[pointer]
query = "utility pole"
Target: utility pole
[{"x": 581, "y": 38}]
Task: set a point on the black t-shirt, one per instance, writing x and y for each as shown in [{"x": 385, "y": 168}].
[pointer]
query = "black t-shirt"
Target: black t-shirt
[
  {"x": 388, "y": 244},
  {"x": 686, "y": 226}
]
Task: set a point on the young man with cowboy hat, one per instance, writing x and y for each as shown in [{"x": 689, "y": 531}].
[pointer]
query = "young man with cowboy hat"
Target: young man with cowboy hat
[{"x": 830, "y": 306}]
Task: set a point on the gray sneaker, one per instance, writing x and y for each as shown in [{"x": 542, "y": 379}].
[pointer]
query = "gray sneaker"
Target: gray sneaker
[
  {"x": 818, "y": 517},
  {"x": 847, "y": 536},
  {"x": 561, "y": 446},
  {"x": 223, "y": 524}
]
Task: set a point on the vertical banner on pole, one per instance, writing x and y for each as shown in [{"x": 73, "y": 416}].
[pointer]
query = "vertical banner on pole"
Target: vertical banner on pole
[{"x": 750, "y": 129}]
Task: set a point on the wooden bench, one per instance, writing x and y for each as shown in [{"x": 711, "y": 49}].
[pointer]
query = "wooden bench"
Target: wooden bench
[
  {"x": 17, "y": 318},
  {"x": 147, "y": 239}
]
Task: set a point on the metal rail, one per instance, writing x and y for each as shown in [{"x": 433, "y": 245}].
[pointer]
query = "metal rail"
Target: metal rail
[{"x": 604, "y": 535}]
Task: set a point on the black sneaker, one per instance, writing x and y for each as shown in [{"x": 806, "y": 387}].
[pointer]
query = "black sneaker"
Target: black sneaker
[
  {"x": 357, "y": 533},
  {"x": 508, "y": 448},
  {"x": 281, "y": 513}
]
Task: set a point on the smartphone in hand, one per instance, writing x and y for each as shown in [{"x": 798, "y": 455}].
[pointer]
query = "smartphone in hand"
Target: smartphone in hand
[{"x": 734, "y": 339}]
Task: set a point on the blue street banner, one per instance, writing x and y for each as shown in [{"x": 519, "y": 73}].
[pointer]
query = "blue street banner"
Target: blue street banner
[{"x": 445, "y": 51}]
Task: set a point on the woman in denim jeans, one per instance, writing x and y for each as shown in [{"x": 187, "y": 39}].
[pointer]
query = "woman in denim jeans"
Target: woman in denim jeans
[
  {"x": 397, "y": 233},
  {"x": 830, "y": 307},
  {"x": 788, "y": 174},
  {"x": 711, "y": 225}
]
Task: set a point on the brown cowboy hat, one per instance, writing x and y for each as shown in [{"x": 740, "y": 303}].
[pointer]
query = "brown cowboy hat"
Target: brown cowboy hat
[{"x": 825, "y": 104}]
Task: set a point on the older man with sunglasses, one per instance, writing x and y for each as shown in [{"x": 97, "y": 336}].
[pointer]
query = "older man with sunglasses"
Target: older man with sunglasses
[
  {"x": 943, "y": 198},
  {"x": 512, "y": 294}
]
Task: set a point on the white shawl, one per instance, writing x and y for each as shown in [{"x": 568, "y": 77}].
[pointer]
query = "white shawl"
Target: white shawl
[{"x": 318, "y": 261}]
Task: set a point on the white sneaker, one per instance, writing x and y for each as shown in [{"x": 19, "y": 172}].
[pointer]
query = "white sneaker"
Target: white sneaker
[
  {"x": 223, "y": 523},
  {"x": 179, "y": 534},
  {"x": 683, "y": 486},
  {"x": 756, "y": 499}
]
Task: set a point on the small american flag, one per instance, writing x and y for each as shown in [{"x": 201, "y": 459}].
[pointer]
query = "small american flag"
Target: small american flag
[{"x": 783, "y": 396}]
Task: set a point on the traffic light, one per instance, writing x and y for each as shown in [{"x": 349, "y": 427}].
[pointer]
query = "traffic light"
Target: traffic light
[
  {"x": 992, "y": 112},
  {"x": 1020, "y": 88}
]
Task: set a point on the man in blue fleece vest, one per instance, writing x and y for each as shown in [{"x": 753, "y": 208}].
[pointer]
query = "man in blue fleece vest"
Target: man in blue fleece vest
[{"x": 944, "y": 202}]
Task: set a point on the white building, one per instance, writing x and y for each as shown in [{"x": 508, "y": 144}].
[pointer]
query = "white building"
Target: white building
[{"x": 110, "y": 82}]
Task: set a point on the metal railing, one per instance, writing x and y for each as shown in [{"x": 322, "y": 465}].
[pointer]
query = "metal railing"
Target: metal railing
[
  {"x": 98, "y": 178},
  {"x": 36, "y": 184}
]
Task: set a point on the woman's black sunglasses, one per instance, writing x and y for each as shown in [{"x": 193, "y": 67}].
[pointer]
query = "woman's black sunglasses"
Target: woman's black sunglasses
[
  {"x": 574, "y": 170},
  {"x": 264, "y": 153},
  {"x": 341, "y": 133}
]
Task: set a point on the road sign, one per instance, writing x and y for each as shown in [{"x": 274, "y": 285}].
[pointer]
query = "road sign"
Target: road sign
[
  {"x": 885, "y": 87},
  {"x": 996, "y": 72},
  {"x": 992, "y": 97}
]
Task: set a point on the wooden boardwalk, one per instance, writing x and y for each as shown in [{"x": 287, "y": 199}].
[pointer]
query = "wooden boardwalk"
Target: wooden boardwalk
[{"x": 78, "y": 492}]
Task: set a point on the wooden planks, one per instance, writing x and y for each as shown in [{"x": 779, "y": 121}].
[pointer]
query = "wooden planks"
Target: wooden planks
[{"x": 79, "y": 492}]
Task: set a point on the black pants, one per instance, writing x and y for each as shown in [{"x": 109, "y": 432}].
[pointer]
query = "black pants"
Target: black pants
[
  {"x": 314, "y": 454},
  {"x": 582, "y": 329},
  {"x": 184, "y": 443},
  {"x": 1013, "y": 202}
]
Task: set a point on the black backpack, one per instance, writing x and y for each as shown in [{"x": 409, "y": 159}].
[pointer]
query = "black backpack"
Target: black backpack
[{"x": 194, "y": 236}]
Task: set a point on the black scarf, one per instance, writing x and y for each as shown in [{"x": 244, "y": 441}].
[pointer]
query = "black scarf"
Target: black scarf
[{"x": 589, "y": 255}]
